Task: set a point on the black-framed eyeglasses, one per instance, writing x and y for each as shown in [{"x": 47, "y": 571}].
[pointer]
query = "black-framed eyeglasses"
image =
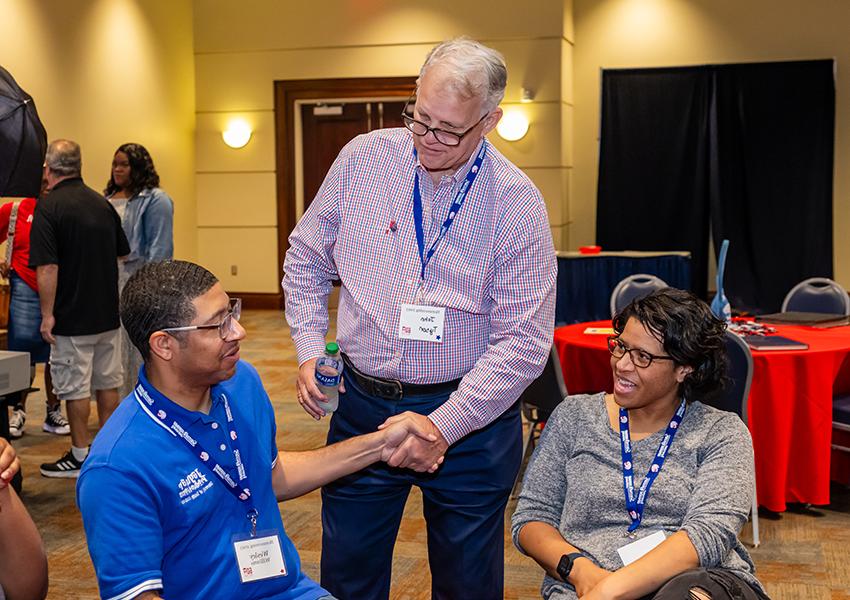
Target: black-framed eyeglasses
[
  {"x": 225, "y": 328},
  {"x": 447, "y": 138},
  {"x": 640, "y": 358}
]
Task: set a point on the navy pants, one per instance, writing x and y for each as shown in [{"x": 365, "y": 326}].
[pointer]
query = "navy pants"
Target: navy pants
[{"x": 464, "y": 506}]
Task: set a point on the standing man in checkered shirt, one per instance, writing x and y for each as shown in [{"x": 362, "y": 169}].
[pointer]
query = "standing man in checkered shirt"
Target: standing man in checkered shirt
[{"x": 447, "y": 267}]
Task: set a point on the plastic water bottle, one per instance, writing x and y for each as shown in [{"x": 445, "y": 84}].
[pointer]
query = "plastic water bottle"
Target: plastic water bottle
[{"x": 328, "y": 374}]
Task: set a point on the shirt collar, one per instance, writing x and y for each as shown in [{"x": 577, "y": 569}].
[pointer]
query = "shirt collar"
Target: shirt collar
[
  {"x": 68, "y": 181},
  {"x": 187, "y": 416},
  {"x": 458, "y": 175}
]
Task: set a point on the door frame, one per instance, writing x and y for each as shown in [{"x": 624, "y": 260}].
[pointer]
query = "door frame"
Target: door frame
[{"x": 285, "y": 95}]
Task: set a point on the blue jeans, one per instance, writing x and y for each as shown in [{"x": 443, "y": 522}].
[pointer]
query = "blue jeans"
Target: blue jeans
[
  {"x": 464, "y": 505},
  {"x": 25, "y": 321}
]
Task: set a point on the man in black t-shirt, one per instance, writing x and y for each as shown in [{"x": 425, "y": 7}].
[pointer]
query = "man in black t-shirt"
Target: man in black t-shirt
[{"x": 75, "y": 240}]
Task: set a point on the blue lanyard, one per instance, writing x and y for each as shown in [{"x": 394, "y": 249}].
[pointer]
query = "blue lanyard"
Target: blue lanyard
[
  {"x": 635, "y": 505},
  {"x": 457, "y": 203},
  {"x": 236, "y": 483}
]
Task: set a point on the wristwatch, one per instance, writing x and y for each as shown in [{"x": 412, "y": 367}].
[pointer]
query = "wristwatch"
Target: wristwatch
[{"x": 565, "y": 565}]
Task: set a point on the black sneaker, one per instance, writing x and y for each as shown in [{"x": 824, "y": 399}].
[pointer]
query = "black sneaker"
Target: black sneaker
[
  {"x": 66, "y": 467},
  {"x": 55, "y": 422}
]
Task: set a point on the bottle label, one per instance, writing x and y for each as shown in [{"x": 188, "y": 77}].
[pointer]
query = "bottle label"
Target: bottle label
[{"x": 327, "y": 380}]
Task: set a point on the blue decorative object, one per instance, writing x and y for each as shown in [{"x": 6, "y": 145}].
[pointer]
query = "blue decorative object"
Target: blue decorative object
[{"x": 720, "y": 305}]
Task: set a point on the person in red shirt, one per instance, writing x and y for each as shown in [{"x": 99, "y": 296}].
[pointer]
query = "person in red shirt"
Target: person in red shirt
[{"x": 25, "y": 316}]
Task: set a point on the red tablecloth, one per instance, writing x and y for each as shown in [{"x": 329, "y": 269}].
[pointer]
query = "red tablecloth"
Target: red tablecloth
[{"x": 790, "y": 405}]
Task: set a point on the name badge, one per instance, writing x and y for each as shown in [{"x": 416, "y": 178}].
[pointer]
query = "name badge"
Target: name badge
[
  {"x": 631, "y": 552},
  {"x": 259, "y": 557},
  {"x": 418, "y": 322}
]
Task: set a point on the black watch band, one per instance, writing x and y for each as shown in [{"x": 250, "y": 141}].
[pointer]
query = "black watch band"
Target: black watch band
[{"x": 565, "y": 565}]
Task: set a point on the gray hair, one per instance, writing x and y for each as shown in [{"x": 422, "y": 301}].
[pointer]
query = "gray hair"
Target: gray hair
[
  {"x": 474, "y": 70},
  {"x": 64, "y": 158}
]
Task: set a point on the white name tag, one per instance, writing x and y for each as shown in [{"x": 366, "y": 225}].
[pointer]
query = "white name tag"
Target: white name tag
[
  {"x": 631, "y": 552},
  {"x": 259, "y": 557},
  {"x": 418, "y": 322}
]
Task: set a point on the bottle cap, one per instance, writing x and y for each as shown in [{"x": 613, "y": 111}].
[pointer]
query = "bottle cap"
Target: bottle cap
[{"x": 332, "y": 348}]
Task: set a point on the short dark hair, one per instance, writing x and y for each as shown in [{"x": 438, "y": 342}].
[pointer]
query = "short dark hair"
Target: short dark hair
[
  {"x": 689, "y": 332},
  {"x": 160, "y": 295},
  {"x": 143, "y": 174}
]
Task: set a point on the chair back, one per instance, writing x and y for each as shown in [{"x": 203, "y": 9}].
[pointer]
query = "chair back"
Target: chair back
[
  {"x": 634, "y": 286},
  {"x": 546, "y": 392},
  {"x": 733, "y": 397},
  {"x": 817, "y": 294}
]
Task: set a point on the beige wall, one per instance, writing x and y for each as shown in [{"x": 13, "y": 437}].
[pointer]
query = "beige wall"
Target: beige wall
[
  {"x": 104, "y": 72},
  {"x": 651, "y": 33},
  {"x": 241, "y": 48}
]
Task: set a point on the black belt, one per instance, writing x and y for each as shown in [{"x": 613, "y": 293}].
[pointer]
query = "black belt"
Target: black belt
[{"x": 390, "y": 389}]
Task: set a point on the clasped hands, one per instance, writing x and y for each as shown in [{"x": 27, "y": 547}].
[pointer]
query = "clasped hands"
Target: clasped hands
[{"x": 412, "y": 441}]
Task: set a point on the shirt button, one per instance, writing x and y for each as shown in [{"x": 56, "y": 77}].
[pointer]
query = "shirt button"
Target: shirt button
[
  {"x": 223, "y": 447},
  {"x": 398, "y": 354},
  {"x": 214, "y": 425}
]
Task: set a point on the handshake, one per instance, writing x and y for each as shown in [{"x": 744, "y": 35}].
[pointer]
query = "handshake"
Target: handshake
[{"x": 411, "y": 441}]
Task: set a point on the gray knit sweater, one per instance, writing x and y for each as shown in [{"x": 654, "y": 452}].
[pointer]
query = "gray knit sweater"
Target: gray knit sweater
[{"x": 574, "y": 482}]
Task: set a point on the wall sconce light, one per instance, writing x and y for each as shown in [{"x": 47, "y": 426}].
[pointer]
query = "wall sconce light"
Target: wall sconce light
[
  {"x": 513, "y": 126},
  {"x": 237, "y": 134},
  {"x": 526, "y": 95}
]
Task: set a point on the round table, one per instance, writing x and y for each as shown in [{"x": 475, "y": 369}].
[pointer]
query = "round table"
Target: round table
[{"x": 790, "y": 405}]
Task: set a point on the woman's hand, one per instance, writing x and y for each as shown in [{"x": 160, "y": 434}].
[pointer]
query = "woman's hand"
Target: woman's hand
[{"x": 586, "y": 576}]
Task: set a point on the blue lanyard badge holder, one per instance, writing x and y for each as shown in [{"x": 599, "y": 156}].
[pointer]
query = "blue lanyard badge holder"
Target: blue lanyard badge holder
[
  {"x": 635, "y": 502},
  {"x": 418, "y": 321}
]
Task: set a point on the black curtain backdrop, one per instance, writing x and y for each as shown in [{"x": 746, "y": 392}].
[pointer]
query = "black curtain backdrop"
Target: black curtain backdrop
[
  {"x": 653, "y": 192},
  {"x": 771, "y": 195},
  {"x": 748, "y": 148}
]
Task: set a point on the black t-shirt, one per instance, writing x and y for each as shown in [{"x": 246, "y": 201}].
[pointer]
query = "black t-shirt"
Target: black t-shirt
[{"x": 77, "y": 229}]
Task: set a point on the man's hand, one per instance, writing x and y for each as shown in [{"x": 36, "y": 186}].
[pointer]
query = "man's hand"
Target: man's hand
[
  {"x": 47, "y": 325},
  {"x": 418, "y": 453},
  {"x": 405, "y": 426},
  {"x": 308, "y": 391},
  {"x": 4, "y": 269},
  {"x": 9, "y": 463}
]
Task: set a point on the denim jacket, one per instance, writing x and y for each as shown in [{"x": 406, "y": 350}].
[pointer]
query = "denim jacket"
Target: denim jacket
[{"x": 148, "y": 225}]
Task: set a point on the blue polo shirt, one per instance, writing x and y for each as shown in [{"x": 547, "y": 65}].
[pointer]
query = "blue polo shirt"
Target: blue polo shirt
[{"x": 156, "y": 518}]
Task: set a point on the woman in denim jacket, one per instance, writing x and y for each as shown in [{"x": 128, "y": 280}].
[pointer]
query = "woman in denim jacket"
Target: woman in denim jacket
[{"x": 147, "y": 216}]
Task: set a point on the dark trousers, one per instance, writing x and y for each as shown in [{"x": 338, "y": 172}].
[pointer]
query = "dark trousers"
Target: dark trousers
[
  {"x": 463, "y": 502},
  {"x": 705, "y": 584}
]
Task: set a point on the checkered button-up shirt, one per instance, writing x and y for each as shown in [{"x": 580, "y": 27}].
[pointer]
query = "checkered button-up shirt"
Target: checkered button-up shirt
[{"x": 494, "y": 272}]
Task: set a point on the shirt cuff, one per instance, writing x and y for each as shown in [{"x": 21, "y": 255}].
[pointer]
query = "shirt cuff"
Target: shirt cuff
[
  {"x": 451, "y": 421},
  {"x": 308, "y": 346}
]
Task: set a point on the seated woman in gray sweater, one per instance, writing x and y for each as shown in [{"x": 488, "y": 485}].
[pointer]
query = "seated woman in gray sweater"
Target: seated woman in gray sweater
[{"x": 642, "y": 493}]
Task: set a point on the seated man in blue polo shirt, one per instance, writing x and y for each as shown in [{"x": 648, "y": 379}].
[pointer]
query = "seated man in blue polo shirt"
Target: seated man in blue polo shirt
[{"x": 179, "y": 493}]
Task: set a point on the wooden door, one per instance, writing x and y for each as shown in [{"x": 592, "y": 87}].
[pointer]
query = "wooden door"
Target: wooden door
[
  {"x": 287, "y": 93},
  {"x": 327, "y": 127}
]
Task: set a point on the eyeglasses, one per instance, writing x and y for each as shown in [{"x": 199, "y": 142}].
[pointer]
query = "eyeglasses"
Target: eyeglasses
[
  {"x": 225, "y": 328},
  {"x": 639, "y": 358},
  {"x": 447, "y": 138}
]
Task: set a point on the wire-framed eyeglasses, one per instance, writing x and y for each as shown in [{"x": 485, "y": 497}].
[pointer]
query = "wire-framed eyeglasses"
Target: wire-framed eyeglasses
[
  {"x": 447, "y": 138},
  {"x": 225, "y": 327},
  {"x": 640, "y": 358}
]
